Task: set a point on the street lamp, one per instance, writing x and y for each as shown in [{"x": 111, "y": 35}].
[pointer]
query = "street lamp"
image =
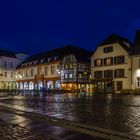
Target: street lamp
[{"x": 18, "y": 77}]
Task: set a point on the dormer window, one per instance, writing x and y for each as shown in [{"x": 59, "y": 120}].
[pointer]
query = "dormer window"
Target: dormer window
[
  {"x": 108, "y": 49},
  {"x": 42, "y": 60},
  {"x": 35, "y": 62},
  {"x": 49, "y": 59},
  {"x": 56, "y": 57},
  {"x": 26, "y": 64}
]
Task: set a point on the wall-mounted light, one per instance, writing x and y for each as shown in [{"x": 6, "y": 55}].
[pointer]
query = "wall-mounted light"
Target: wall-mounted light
[{"x": 138, "y": 73}]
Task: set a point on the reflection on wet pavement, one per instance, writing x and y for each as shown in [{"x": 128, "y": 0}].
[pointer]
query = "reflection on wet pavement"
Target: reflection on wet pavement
[{"x": 115, "y": 112}]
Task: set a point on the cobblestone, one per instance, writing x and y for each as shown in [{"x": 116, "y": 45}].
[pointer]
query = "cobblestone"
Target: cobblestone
[{"x": 14, "y": 132}]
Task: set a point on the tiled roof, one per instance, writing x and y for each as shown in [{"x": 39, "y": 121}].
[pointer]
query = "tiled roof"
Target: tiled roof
[
  {"x": 136, "y": 45},
  {"x": 7, "y": 53},
  {"x": 114, "y": 38},
  {"x": 57, "y": 54}
]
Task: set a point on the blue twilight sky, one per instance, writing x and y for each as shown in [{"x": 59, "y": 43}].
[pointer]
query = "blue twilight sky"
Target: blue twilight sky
[{"x": 37, "y": 25}]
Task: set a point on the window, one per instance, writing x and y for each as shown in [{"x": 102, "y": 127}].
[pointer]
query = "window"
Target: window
[
  {"x": 46, "y": 70},
  {"x": 58, "y": 67},
  {"x": 49, "y": 59},
  {"x": 56, "y": 57},
  {"x": 66, "y": 66},
  {"x": 139, "y": 63},
  {"x": 138, "y": 82},
  {"x": 52, "y": 70},
  {"x": 65, "y": 76},
  {"x": 11, "y": 64},
  {"x": 119, "y": 73},
  {"x": 108, "y": 61},
  {"x": 119, "y": 85},
  {"x": 108, "y": 49},
  {"x": 70, "y": 75},
  {"x": 27, "y": 73},
  {"x": 11, "y": 74},
  {"x": 23, "y": 73},
  {"x": 5, "y": 64},
  {"x": 39, "y": 70},
  {"x": 71, "y": 66},
  {"x": 5, "y": 74},
  {"x": 32, "y": 72},
  {"x": 108, "y": 74},
  {"x": 80, "y": 76},
  {"x": 119, "y": 59},
  {"x": 81, "y": 66},
  {"x": 98, "y": 62},
  {"x": 98, "y": 74}
]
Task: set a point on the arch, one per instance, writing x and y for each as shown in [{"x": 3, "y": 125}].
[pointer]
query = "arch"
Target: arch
[
  {"x": 31, "y": 85},
  {"x": 25, "y": 85},
  {"x": 39, "y": 85},
  {"x": 49, "y": 85},
  {"x": 21, "y": 86},
  {"x": 58, "y": 84}
]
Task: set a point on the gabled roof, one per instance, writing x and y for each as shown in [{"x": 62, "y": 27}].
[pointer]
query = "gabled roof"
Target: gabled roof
[
  {"x": 114, "y": 38},
  {"x": 7, "y": 53},
  {"x": 57, "y": 54},
  {"x": 136, "y": 45}
]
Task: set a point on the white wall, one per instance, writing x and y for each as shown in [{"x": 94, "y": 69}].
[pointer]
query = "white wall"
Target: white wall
[{"x": 117, "y": 51}]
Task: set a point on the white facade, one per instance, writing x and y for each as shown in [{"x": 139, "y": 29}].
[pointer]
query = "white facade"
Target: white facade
[
  {"x": 7, "y": 72},
  {"x": 135, "y": 62},
  {"x": 110, "y": 71}
]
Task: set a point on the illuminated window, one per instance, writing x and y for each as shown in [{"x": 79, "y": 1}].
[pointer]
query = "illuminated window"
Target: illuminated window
[
  {"x": 66, "y": 66},
  {"x": 108, "y": 61},
  {"x": 80, "y": 76},
  {"x": 98, "y": 62},
  {"x": 70, "y": 75},
  {"x": 66, "y": 76},
  {"x": 70, "y": 66}
]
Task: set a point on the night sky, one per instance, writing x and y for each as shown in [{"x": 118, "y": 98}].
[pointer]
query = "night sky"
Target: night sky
[{"x": 36, "y": 25}]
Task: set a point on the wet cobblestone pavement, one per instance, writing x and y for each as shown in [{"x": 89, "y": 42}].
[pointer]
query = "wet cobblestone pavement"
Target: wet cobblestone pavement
[
  {"x": 117, "y": 113},
  {"x": 10, "y": 131},
  {"x": 15, "y": 127}
]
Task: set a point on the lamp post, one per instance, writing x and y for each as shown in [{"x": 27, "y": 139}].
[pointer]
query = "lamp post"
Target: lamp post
[
  {"x": 59, "y": 73},
  {"x": 18, "y": 77}
]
